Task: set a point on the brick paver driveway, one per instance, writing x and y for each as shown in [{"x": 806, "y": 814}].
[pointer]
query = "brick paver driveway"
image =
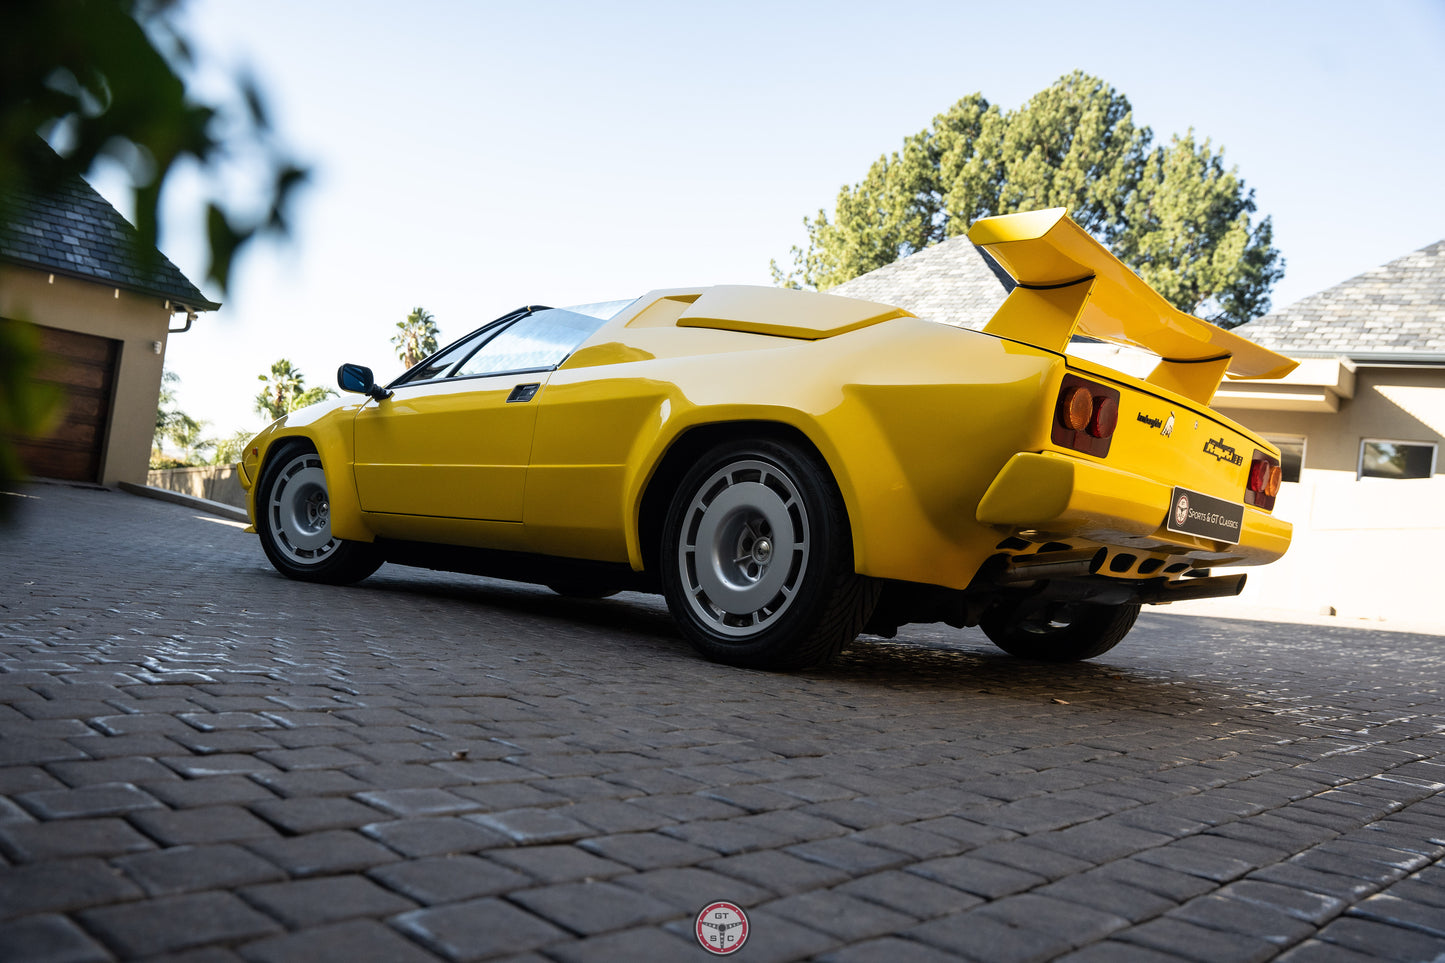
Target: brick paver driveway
[{"x": 200, "y": 758}]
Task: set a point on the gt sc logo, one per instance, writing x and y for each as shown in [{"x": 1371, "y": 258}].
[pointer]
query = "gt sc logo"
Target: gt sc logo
[{"x": 722, "y": 928}]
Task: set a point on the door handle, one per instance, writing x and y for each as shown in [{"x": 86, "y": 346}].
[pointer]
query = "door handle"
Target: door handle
[{"x": 523, "y": 392}]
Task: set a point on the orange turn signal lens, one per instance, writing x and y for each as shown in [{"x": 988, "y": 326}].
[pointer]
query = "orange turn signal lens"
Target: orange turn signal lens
[
  {"x": 1271, "y": 486},
  {"x": 1076, "y": 408}
]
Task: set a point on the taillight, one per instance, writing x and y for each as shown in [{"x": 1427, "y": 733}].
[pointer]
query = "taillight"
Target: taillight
[
  {"x": 1086, "y": 416},
  {"x": 1264, "y": 480},
  {"x": 1076, "y": 408},
  {"x": 1105, "y": 417}
]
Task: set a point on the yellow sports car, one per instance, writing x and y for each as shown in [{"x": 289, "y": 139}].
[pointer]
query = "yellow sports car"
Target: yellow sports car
[{"x": 790, "y": 469}]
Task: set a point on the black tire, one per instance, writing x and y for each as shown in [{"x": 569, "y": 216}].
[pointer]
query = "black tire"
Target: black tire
[
  {"x": 757, "y": 559},
  {"x": 293, "y": 518},
  {"x": 1058, "y": 633}
]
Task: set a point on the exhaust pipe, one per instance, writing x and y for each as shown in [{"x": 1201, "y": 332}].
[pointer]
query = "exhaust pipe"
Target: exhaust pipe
[
  {"x": 1112, "y": 591},
  {"x": 1194, "y": 588},
  {"x": 1053, "y": 565}
]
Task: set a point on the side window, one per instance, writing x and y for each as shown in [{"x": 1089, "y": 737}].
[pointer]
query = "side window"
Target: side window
[
  {"x": 436, "y": 366},
  {"x": 1396, "y": 459},
  {"x": 538, "y": 341},
  {"x": 1291, "y": 454}
]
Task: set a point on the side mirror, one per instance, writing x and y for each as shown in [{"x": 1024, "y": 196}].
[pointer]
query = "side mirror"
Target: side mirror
[{"x": 359, "y": 379}]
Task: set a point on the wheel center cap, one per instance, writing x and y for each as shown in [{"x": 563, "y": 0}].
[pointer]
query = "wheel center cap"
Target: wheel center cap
[{"x": 762, "y": 550}]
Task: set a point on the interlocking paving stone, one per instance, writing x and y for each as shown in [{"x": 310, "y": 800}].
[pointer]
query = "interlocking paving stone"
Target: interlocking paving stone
[
  {"x": 308, "y": 815},
  {"x": 334, "y": 851},
  {"x": 448, "y": 879},
  {"x": 558, "y": 864},
  {"x": 208, "y": 824},
  {"x": 1208, "y": 783},
  {"x": 184, "y": 869},
  {"x": 593, "y": 907},
  {"x": 840, "y": 915},
  {"x": 478, "y": 929},
  {"x": 644, "y": 943},
  {"x": 172, "y": 923},
  {"x": 313, "y": 902},
  {"x": 647, "y": 850},
  {"x": 1383, "y": 940},
  {"x": 30, "y": 842},
  {"x": 48, "y": 939},
  {"x": 338, "y": 943},
  {"x": 434, "y": 836},
  {"x": 61, "y": 885}
]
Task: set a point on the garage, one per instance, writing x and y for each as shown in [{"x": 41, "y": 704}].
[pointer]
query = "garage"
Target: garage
[{"x": 84, "y": 366}]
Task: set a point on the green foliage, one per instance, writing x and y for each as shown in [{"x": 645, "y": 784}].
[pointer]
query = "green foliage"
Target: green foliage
[
  {"x": 1173, "y": 213},
  {"x": 228, "y": 450},
  {"x": 416, "y": 337},
  {"x": 176, "y": 431},
  {"x": 107, "y": 78},
  {"x": 286, "y": 391}
]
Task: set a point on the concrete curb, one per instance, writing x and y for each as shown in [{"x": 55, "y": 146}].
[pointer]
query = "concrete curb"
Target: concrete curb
[{"x": 230, "y": 512}]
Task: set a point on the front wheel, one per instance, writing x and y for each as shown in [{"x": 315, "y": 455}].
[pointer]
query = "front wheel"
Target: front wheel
[
  {"x": 1058, "y": 633},
  {"x": 757, "y": 559},
  {"x": 293, "y": 518}
]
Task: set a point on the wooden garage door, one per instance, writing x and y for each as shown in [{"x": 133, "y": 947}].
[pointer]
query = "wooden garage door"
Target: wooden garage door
[{"x": 84, "y": 366}]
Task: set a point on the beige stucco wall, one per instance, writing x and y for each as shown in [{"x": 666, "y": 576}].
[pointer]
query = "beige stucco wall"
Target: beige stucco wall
[
  {"x": 219, "y": 483},
  {"x": 138, "y": 321},
  {"x": 1389, "y": 403},
  {"x": 1356, "y": 547}
]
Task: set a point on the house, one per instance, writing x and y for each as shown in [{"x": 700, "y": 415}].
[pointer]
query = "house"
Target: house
[
  {"x": 1360, "y": 423},
  {"x": 71, "y": 265}
]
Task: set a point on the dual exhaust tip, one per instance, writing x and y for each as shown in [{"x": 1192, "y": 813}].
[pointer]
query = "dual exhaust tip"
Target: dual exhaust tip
[{"x": 1071, "y": 576}]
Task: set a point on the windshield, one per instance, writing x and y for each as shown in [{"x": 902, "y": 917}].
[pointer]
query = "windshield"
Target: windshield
[{"x": 603, "y": 310}]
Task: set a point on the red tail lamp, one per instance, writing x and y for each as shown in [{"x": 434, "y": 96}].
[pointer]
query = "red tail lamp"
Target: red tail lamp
[
  {"x": 1086, "y": 416},
  {"x": 1264, "y": 480}
]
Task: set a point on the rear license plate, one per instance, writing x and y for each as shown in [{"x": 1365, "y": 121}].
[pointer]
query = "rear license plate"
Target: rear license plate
[{"x": 1192, "y": 513}]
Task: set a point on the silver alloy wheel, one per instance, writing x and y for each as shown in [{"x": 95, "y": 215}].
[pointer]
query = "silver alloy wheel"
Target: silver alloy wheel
[
  {"x": 744, "y": 548},
  {"x": 299, "y": 511}
]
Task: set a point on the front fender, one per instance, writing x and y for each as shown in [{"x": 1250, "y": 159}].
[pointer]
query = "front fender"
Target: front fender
[{"x": 327, "y": 427}]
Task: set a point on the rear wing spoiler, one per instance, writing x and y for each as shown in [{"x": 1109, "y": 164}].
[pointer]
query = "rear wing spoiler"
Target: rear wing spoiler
[{"x": 1069, "y": 283}]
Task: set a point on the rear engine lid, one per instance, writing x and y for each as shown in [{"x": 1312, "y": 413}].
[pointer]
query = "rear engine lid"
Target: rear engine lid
[{"x": 783, "y": 312}]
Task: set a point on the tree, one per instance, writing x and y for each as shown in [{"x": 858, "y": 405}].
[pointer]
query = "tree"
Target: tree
[
  {"x": 286, "y": 390},
  {"x": 173, "y": 427},
  {"x": 107, "y": 78},
  {"x": 1173, "y": 213},
  {"x": 416, "y": 337}
]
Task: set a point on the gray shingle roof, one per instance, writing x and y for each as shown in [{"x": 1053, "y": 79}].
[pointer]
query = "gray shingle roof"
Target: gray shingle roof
[
  {"x": 951, "y": 281},
  {"x": 67, "y": 228},
  {"x": 1395, "y": 309}
]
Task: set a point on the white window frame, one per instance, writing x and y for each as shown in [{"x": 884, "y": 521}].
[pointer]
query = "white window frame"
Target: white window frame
[
  {"x": 1303, "y": 448},
  {"x": 1360, "y": 464}
]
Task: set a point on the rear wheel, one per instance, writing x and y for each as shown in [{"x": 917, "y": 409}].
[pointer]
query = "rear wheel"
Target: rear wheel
[
  {"x": 293, "y": 518},
  {"x": 757, "y": 560},
  {"x": 1058, "y": 633}
]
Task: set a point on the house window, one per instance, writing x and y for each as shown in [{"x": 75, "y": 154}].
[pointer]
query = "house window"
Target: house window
[
  {"x": 1396, "y": 459},
  {"x": 1291, "y": 454}
]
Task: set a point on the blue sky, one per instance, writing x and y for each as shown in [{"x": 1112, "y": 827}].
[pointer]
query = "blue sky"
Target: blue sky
[{"x": 472, "y": 157}]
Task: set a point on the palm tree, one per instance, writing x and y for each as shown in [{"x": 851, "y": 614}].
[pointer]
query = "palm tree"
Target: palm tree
[
  {"x": 416, "y": 337},
  {"x": 286, "y": 390}
]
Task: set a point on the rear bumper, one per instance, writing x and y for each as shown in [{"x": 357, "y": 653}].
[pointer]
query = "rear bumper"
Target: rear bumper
[{"x": 1061, "y": 497}]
